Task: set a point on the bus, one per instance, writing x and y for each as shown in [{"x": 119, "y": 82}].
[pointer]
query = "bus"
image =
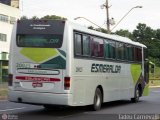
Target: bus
[{"x": 58, "y": 62}]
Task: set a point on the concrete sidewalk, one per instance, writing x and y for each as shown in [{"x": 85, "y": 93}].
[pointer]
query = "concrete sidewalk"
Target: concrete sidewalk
[{"x": 3, "y": 91}]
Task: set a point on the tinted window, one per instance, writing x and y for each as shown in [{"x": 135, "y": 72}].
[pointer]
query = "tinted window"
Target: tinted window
[
  {"x": 120, "y": 51},
  {"x": 109, "y": 49},
  {"x": 86, "y": 45},
  {"x": 78, "y": 44},
  {"x": 3, "y": 18},
  {"x": 97, "y": 47},
  {"x": 129, "y": 52},
  {"x": 44, "y": 41},
  {"x": 3, "y": 37}
]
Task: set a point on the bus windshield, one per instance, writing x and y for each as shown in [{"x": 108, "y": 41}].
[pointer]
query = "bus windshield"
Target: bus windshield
[{"x": 39, "y": 40}]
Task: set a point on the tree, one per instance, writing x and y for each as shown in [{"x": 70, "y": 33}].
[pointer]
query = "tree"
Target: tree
[
  {"x": 91, "y": 27},
  {"x": 124, "y": 33},
  {"x": 24, "y": 18},
  {"x": 48, "y": 17},
  {"x": 35, "y": 18},
  {"x": 143, "y": 33},
  {"x": 157, "y": 34},
  {"x": 53, "y": 17},
  {"x": 101, "y": 30}
]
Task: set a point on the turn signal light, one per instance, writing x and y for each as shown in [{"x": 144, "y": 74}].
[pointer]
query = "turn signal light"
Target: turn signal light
[{"x": 66, "y": 83}]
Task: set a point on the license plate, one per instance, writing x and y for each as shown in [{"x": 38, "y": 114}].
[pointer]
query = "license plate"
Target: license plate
[{"x": 37, "y": 84}]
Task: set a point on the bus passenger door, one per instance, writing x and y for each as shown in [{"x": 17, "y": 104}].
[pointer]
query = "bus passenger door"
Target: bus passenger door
[
  {"x": 146, "y": 73},
  {"x": 146, "y": 66}
]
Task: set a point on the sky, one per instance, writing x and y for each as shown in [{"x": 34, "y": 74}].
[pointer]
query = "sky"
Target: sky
[{"x": 91, "y": 9}]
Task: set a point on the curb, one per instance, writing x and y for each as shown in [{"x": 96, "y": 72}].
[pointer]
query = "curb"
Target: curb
[
  {"x": 3, "y": 101},
  {"x": 154, "y": 86},
  {"x": 4, "y": 98}
]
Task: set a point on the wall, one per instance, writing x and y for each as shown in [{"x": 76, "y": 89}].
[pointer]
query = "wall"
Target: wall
[{"x": 6, "y": 27}]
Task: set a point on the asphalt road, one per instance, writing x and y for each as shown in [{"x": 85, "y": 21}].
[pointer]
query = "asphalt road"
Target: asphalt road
[{"x": 148, "y": 108}]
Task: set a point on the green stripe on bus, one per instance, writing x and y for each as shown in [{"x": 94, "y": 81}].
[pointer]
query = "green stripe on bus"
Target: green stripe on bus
[
  {"x": 136, "y": 72},
  {"x": 39, "y": 54},
  {"x": 146, "y": 90},
  {"x": 56, "y": 63}
]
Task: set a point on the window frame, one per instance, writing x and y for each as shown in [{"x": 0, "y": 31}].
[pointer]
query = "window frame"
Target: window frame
[
  {"x": 4, "y": 18},
  {"x": 75, "y": 45},
  {"x": 122, "y": 52},
  {"x": 3, "y": 37},
  {"x": 124, "y": 60},
  {"x": 110, "y": 42}
]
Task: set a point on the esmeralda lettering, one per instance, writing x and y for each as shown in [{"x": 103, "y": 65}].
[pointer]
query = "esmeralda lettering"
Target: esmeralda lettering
[{"x": 105, "y": 68}]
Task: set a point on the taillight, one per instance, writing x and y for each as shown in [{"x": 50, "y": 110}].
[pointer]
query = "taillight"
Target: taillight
[
  {"x": 66, "y": 83},
  {"x": 10, "y": 79}
]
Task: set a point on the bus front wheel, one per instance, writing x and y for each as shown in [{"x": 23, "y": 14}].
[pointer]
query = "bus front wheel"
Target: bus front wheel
[{"x": 97, "y": 100}]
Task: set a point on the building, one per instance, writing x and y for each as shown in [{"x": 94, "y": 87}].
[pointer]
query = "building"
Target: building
[
  {"x": 15, "y": 3},
  {"x": 7, "y": 2},
  {"x": 8, "y": 16}
]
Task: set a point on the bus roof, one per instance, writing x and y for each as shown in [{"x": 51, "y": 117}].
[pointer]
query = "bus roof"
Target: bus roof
[{"x": 109, "y": 36}]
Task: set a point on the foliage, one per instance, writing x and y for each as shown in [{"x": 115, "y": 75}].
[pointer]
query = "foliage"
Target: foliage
[
  {"x": 53, "y": 17},
  {"x": 24, "y": 18},
  {"x": 143, "y": 33},
  {"x": 124, "y": 33},
  {"x": 35, "y": 18},
  {"x": 98, "y": 29},
  {"x": 47, "y": 17}
]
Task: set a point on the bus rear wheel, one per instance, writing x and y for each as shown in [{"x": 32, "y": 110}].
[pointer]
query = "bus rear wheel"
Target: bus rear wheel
[
  {"x": 97, "y": 100},
  {"x": 137, "y": 95}
]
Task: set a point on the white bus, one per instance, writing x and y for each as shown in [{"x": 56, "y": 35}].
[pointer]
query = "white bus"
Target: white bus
[{"x": 54, "y": 62}]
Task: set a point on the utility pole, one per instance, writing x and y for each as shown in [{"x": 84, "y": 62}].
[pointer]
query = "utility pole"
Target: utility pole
[
  {"x": 106, "y": 6},
  {"x": 107, "y": 15}
]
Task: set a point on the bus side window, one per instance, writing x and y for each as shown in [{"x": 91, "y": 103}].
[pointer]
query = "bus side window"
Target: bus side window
[
  {"x": 78, "y": 44},
  {"x": 97, "y": 47},
  {"x": 129, "y": 52},
  {"x": 109, "y": 49},
  {"x": 86, "y": 45},
  {"x": 120, "y": 51}
]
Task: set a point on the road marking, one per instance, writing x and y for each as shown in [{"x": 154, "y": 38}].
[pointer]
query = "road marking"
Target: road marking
[
  {"x": 3, "y": 100},
  {"x": 156, "y": 91},
  {"x": 12, "y": 109}
]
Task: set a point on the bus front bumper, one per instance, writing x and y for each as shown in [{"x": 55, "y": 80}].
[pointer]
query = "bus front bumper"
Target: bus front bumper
[{"x": 40, "y": 98}]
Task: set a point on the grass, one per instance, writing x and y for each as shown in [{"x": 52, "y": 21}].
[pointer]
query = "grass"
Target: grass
[
  {"x": 154, "y": 78},
  {"x": 3, "y": 94},
  {"x": 154, "y": 82},
  {"x": 3, "y": 91},
  {"x": 156, "y": 74}
]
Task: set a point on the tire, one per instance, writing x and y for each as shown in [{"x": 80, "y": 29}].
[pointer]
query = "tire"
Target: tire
[
  {"x": 97, "y": 102},
  {"x": 137, "y": 95}
]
